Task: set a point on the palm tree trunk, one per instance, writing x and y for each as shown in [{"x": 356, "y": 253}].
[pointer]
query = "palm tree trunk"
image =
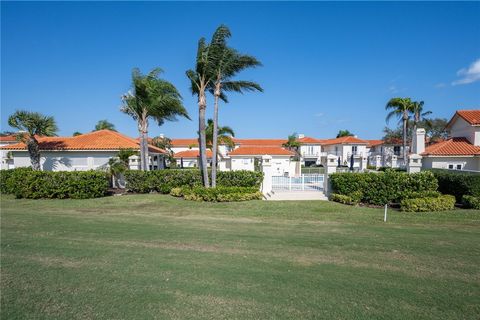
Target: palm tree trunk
[
  {"x": 143, "y": 126},
  {"x": 34, "y": 152},
  {"x": 202, "y": 105},
  {"x": 405, "y": 118},
  {"x": 215, "y": 136}
]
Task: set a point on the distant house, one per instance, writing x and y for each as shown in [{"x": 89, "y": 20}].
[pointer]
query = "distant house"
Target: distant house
[
  {"x": 5, "y": 155},
  {"x": 344, "y": 147},
  {"x": 249, "y": 157},
  {"x": 83, "y": 152},
  {"x": 310, "y": 150},
  {"x": 461, "y": 151},
  {"x": 385, "y": 153},
  {"x": 189, "y": 158}
]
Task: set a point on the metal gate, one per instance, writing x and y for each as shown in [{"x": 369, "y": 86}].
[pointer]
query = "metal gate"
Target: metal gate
[{"x": 305, "y": 182}]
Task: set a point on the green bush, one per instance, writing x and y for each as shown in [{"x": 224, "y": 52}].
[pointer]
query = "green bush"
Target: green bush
[
  {"x": 471, "y": 202},
  {"x": 342, "y": 199},
  {"x": 164, "y": 181},
  {"x": 26, "y": 183},
  {"x": 444, "y": 202},
  {"x": 458, "y": 183},
  {"x": 218, "y": 194},
  {"x": 383, "y": 187}
]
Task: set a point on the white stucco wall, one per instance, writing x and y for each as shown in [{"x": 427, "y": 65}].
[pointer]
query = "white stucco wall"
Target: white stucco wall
[
  {"x": 467, "y": 163},
  {"x": 461, "y": 128},
  {"x": 280, "y": 164},
  {"x": 65, "y": 161}
]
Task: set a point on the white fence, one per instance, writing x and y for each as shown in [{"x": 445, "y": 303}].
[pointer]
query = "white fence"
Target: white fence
[{"x": 305, "y": 182}]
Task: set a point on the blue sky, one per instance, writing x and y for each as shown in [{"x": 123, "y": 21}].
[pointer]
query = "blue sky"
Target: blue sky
[{"x": 327, "y": 66}]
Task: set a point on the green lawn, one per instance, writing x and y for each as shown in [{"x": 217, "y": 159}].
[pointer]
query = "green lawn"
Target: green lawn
[{"x": 154, "y": 256}]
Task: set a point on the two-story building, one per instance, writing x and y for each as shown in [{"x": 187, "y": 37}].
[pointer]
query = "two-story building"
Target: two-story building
[{"x": 461, "y": 151}]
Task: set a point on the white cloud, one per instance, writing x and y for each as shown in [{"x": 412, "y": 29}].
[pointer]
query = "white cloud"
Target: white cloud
[
  {"x": 320, "y": 114},
  {"x": 468, "y": 75},
  {"x": 440, "y": 85}
]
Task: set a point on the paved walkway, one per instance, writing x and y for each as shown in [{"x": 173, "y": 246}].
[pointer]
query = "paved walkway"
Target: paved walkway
[{"x": 296, "y": 195}]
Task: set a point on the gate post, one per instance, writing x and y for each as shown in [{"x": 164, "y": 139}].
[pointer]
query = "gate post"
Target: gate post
[
  {"x": 330, "y": 167},
  {"x": 267, "y": 174}
]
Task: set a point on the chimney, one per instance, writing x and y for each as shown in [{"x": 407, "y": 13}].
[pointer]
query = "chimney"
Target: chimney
[
  {"x": 418, "y": 143},
  {"x": 162, "y": 135},
  {"x": 300, "y": 136}
]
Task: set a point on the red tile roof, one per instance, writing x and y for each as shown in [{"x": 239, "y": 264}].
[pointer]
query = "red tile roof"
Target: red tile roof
[
  {"x": 97, "y": 140},
  {"x": 452, "y": 147},
  {"x": 184, "y": 142},
  {"x": 345, "y": 140},
  {"x": 260, "y": 142},
  {"x": 191, "y": 154},
  {"x": 373, "y": 143},
  {"x": 310, "y": 140},
  {"x": 471, "y": 116},
  {"x": 260, "y": 151},
  {"x": 10, "y": 138}
]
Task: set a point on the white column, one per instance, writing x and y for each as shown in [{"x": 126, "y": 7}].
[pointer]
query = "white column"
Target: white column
[
  {"x": 418, "y": 141},
  {"x": 134, "y": 162},
  {"x": 363, "y": 164},
  {"x": 267, "y": 174},
  {"x": 414, "y": 163},
  {"x": 394, "y": 161},
  {"x": 378, "y": 161}
]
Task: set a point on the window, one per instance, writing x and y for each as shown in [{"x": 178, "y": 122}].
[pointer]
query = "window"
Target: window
[
  {"x": 450, "y": 166},
  {"x": 246, "y": 161},
  {"x": 354, "y": 149},
  {"x": 396, "y": 150}
]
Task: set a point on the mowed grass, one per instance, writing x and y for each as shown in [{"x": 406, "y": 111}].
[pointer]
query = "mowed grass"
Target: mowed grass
[{"x": 159, "y": 257}]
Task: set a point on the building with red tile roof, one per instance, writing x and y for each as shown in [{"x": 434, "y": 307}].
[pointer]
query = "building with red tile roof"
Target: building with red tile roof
[
  {"x": 260, "y": 151},
  {"x": 83, "y": 152},
  {"x": 461, "y": 151}
]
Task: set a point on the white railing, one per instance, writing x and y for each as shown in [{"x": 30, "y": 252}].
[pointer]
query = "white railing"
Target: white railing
[{"x": 309, "y": 182}]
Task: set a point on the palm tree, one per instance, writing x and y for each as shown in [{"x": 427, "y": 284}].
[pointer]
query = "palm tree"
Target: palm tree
[
  {"x": 228, "y": 65},
  {"x": 293, "y": 144},
  {"x": 344, "y": 133},
  {"x": 224, "y": 135},
  {"x": 152, "y": 98},
  {"x": 201, "y": 79},
  {"x": 418, "y": 114},
  {"x": 401, "y": 108},
  {"x": 33, "y": 124},
  {"x": 104, "y": 124}
]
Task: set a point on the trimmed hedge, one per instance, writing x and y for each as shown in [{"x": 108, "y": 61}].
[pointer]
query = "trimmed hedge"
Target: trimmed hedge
[
  {"x": 342, "y": 199},
  {"x": 29, "y": 184},
  {"x": 218, "y": 194},
  {"x": 471, "y": 202},
  {"x": 458, "y": 183},
  {"x": 444, "y": 202},
  {"x": 163, "y": 181},
  {"x": 384, "y": 187}
]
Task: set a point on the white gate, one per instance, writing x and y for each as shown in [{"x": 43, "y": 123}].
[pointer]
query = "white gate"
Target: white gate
[{"x": 305, "y": 182}]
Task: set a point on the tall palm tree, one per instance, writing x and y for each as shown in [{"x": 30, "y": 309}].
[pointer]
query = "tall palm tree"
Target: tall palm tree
[
  {"x": 151, "y": 98},
  {"x": 293, "y": 144},
  {"x": 418, "y": 113},
  {"x": 401, "y": 108},
  {"x": 229, "y": 64},
  {"x": 201, "y": 79},
  {"x": 34, "y": 124},
  {"x": 104, "y": 124}
]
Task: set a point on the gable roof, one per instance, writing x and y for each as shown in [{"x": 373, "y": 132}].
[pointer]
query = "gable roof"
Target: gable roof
[
  {"x": 260, "y": 142},
  {"x": 191, "y": 154},
  {"x": 345, "y": 140},
  {"x": 184, "y": 142},
  {"x": 373, "y": 143},
  {"x": 452, "y": 147},
  {"x": 310, "y": 140},
  {"x": 472, "y": 117},
  {"x": 97, "y": 140},
  {"x": 260, "y": 151},
  {"x": 9, "y": 138}
]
